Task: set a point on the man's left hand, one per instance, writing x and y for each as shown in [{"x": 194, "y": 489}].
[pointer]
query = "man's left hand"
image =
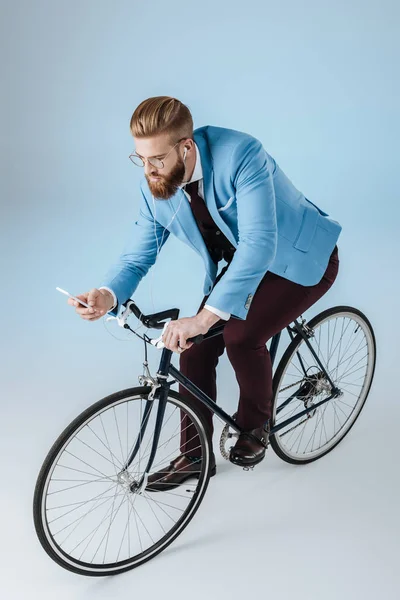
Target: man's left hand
[{"x": 180, "y": 330}]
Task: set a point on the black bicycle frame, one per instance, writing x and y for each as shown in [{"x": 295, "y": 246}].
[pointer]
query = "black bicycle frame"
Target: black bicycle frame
[{"x": 165, "y": 369}]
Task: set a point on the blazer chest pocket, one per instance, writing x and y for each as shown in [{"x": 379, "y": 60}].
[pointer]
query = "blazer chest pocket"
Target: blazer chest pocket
[
  {"x": 306, "y": 232},
  {"x": 228, "y": 204}
]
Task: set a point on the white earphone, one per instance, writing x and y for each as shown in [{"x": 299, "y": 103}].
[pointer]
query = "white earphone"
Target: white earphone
[{"x": 159, "y": 245}]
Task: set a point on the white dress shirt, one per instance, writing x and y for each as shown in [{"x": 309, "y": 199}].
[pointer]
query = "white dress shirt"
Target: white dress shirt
[{"x": 197, "y": 176}]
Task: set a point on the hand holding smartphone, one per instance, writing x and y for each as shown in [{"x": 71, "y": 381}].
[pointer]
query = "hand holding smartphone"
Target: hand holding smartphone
[
  {"x": 73, "y": 297},
  {"x": 94, "y": 305}
]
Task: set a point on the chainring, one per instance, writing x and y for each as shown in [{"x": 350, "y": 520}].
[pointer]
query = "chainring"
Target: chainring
[{"x": 226, "y": 436}]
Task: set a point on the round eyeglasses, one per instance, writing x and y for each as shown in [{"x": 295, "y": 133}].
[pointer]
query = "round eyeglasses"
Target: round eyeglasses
[{"x": 155, "y": 162}]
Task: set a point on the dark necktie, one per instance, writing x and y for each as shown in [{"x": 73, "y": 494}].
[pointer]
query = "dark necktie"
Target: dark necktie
[
  {"x": 218, "y": 245},
  {"x": 196, "y": 202}
]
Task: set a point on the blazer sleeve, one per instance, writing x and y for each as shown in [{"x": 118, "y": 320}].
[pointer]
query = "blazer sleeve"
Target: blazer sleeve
[
  {"x": 139, "y": 254},
  {"x": 257, "y": 228}
]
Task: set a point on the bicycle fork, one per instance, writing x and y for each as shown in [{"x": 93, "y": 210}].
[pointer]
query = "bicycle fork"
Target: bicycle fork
[{"x": 159, "y": 389}]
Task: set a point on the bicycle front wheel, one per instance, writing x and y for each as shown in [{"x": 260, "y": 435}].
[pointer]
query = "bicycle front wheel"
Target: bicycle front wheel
[
  {"x": 344, "y": 342},
  {"x": 86, "y": 515}
]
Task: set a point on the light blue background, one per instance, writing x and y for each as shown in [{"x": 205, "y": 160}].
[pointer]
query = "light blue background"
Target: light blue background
[{"x": 316, "y": 81}]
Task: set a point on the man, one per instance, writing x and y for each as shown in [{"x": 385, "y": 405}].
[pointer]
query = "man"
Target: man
[{"x": 223, "y": 195}]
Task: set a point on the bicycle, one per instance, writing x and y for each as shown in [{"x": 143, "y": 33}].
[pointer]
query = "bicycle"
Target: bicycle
[{"x": 116, "y": 442}]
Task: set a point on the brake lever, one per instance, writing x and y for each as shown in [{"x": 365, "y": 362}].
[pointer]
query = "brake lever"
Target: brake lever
[{"x": 157, "y": 342}]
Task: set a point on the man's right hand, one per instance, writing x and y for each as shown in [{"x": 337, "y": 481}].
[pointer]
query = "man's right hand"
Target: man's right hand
[{"x": 100, "y": 302}]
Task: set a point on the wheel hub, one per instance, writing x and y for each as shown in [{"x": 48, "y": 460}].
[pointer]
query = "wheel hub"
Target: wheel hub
[{"x": 125, "y": 479}]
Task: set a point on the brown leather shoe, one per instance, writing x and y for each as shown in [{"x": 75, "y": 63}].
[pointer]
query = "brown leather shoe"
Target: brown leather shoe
[
  {"x": 250, "y": 447},
  {"x": 180, "y": 469}
]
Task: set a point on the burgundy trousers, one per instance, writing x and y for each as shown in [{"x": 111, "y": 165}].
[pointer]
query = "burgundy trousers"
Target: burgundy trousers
[{"x": 276, "y": 303}]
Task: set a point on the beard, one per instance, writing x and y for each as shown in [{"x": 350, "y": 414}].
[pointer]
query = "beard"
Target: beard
[{"x": 167, "y": 186}]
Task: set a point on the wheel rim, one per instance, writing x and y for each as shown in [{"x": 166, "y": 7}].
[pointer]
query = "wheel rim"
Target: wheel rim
[
  {"x": 345, "y": 346},
  {"x": 90, "y": 518}
]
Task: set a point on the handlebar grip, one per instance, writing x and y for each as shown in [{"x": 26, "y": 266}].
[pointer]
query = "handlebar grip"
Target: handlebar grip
[
  {"x": 157, "y": 320},
  {"x": 197, "y": 339}
]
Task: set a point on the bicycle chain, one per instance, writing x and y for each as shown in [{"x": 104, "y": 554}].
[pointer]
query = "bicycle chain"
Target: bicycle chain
[{"x": 288, "y": 386}]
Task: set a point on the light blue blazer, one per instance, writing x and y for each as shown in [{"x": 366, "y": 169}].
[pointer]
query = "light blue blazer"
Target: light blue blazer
[{"x": 271, "y": 224}]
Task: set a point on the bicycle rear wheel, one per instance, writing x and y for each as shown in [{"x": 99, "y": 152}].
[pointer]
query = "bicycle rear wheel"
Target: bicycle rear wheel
[
  {"x": 344, "y": 342},
  {"x": 86, "y": 515}
]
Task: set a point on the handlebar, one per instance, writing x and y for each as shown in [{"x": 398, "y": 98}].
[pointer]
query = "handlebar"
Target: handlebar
[{"x": 152, "y": 321}]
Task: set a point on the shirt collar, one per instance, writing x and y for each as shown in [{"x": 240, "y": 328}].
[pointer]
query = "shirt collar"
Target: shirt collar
[{"x": 198, "y": 171}]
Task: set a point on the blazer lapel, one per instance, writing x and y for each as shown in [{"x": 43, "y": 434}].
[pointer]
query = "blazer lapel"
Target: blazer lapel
[
  {"x": 179, "y": 204},
  {"x": 188, "y": 230},
  {"x": 209, "y": 191}
]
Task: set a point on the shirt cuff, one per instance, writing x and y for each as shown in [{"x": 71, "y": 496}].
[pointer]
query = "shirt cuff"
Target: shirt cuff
[
  {"x": 220, "y": 313},
  {"x": 104, "y": 287}
]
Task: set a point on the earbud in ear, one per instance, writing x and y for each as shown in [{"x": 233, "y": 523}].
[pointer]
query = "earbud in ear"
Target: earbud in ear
[{"x": 184, "y": 153}]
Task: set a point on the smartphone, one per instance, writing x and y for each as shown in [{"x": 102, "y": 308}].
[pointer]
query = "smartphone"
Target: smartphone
[{"x": 73, "y": 297}]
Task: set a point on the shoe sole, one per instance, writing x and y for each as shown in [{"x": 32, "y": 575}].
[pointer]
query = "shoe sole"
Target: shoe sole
[
  {"x": 246, "y": 464},
  {"x": 175, "y": 485},
  {"x": 212, "y": 473}
]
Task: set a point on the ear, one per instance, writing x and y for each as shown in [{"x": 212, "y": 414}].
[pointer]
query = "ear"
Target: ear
[{"x": 189, "y": 146}]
